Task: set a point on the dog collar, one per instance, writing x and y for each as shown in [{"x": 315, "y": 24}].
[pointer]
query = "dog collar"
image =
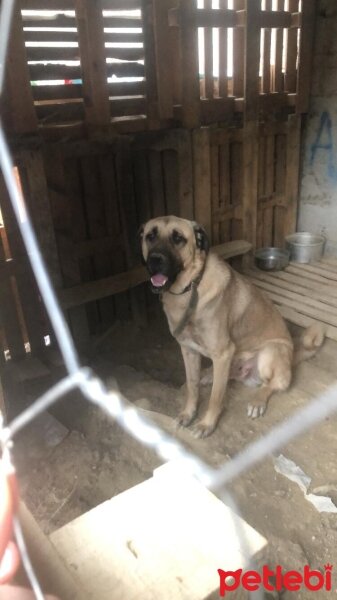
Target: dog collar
[{"x": 193, "y": 286}]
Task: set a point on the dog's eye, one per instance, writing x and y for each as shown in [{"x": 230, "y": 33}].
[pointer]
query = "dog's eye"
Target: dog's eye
[
  {"x": 177, "y": 238},
  {"x": 151, "y": 236}
]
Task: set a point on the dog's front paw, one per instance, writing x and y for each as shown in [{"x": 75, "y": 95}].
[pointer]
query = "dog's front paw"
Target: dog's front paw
[
  {"x": 256, "y": 408},
  {"x": 184, "y": 419},
  {"x": 203, "y": 429}
]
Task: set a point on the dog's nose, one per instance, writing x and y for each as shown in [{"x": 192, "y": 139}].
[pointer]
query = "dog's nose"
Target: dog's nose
[{"x": 157, "y": 263}]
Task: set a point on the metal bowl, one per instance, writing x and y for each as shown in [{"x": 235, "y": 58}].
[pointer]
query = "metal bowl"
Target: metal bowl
[{"x": 271, "y": 259}]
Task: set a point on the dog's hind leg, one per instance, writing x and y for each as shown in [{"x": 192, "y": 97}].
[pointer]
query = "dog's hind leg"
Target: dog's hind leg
[
  {"x": 192, "y": 361},
  {"x": 274, "y": 369}
]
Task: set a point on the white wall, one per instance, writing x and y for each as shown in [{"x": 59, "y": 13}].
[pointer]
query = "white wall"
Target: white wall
[{"x": 318, "y": 186}]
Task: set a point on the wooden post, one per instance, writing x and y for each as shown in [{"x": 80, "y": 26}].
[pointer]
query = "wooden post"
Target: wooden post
[
  {"x": 251, "y": 107},
  {"x": 190, "y": 68},
  {"x": 292, "y": 172},
  {"x": 208, "y": 33},
  {"x": 291, "y": 55},
  {"x": 277, "y": 71},
  {"x": 20, "y": 112},
  {"x": 238, "y": 55},
  {"x": 93, "y": 64},
  {"x": 202, "y": 178},
  {"x": 223, "y": 58},
  {"x": 164, "y": 67},
  {"x": 266, "y": 55},
  {"x": 305, "y": 56},
  {"x": 150, "y": 65}
]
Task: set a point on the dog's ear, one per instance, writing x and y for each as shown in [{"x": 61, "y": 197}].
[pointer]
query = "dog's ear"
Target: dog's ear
[
  {"x": 201, "y": 238},
  {"x": 140, "y": 236}
]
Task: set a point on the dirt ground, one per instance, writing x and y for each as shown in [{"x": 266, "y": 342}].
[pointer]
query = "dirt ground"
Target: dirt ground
[{"x": 96, "y": 460}]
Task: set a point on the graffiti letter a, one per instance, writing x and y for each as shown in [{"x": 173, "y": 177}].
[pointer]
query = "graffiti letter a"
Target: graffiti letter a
[{"x": 324, "y": 141}]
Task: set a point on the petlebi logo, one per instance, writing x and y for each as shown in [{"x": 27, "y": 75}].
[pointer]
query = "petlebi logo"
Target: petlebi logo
[{"x": 275, "y": 580}]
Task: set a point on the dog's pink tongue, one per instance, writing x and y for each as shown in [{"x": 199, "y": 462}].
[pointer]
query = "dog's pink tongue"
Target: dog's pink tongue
[{"x": 158, "y": 280}]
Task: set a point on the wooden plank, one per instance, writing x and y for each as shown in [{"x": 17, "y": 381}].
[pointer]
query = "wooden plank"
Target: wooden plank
[
  {"x": 40, "y": 210},
  {"x": 202, "y": 178},
  {"x": 280, "y": 178},
  {"x": 269, "y": 164},
  {"x": 305, "y": 321},
  {"x": 29, "y": 302},
  {"x": 266, "y": 54},
  {"x": 43, "y": 35},
  {"x": 292, "y": 172},
  {"x": 208, "y": 46},
  {"x": 108, "y": 177},
  {"x": 68, "y": 5},
  {"x": 291, "y": 53},
  {"x": 150, "y": 65},
  {"x": 164, "y": 67},
  {"x": 185, "y": 192},
  {"x": 303, "y": 299},
  {"x": 224, "y": 189},
  {"x": 171, "y": 181},
  {"x": 278, "y": 83},
  {"x": 320, "y": 314},
  {"x": 306, "y": 45},
  {"x": 190, "y": 70},
  {"x": 313, "y": 276},
  {"x": 215, "y": 193},
  {"x": 223, "y": 58},
  {"x": 94, "y": 290},
  {"x": 156, "y": 183},
  {"x": 20, "y": 108},
  {"x": 62, "y": 53},
  {"x": 250, "y": 182},
  {"x": 238, "y": 55},
  {"x": 74, "y": 230},
  {"x": 92, "y": 55},
  {"x": 40, "y": 72},
  {"x": 252, "y": 61},
  {"x": 9, "y": 319},
  {"x": 62, "y": 21},
  {"x": 171, "y": 543},
  {"x": 114, "y": 89},
  {"x": 309, "y": 284},
  {"x": 318, "y": 269},
  {"x": 278, "y": 282}
]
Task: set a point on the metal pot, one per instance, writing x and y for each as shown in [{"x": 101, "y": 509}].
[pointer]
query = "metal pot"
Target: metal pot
[{"x": 305, "y": 247}]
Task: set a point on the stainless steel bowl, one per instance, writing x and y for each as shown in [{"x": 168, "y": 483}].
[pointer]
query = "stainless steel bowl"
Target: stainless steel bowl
[{"x": 271, "y": 259}]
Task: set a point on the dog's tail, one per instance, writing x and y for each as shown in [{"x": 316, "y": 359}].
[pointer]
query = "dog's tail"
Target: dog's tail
[{"x": 308, "y": 343}]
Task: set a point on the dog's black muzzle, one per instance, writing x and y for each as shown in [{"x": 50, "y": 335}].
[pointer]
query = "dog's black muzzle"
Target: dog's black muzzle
[{"x": 163, "y": 268}]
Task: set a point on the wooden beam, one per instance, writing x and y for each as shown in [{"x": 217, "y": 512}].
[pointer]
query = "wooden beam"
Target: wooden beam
[
  {"x": 164, "y": 67},
  {"x": 150, "y": 65},
  {"x": 94, "y": 290},
  {"x": 20, "y": 107},
  {"x": 292, "y": 172},
  {"x": 305, "y": 55},
  {"x": 202, "y": 178},
  {"x": 58, "y": 71},
  {"x": 94, "y": 73},
  {"x": 190, "y": 70},
  {"x": 68, "y": 5}
]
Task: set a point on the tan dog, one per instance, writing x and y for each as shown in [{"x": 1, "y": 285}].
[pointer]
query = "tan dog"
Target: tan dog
[{"x": 215, "y": 312}]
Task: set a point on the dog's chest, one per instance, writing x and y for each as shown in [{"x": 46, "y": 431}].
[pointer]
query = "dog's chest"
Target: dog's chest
[{"x": 193, "y": 338}]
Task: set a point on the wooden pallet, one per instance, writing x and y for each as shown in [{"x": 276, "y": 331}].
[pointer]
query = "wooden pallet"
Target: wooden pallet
[{"x": 303, "y": 293}]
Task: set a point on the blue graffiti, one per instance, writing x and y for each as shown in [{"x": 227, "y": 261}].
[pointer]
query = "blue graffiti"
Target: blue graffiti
[{"x": 325, "y": 132}]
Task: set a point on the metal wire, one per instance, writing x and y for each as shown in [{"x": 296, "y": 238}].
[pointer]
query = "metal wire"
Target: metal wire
[{"x": 113, "y": 403}]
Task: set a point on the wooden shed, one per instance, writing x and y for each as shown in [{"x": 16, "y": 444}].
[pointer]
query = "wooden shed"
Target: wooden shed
[{"x": 117, "y": 111}]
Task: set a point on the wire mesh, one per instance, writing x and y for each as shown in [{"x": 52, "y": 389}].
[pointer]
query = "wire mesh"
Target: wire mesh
[{"x": 113, "y": 403}]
